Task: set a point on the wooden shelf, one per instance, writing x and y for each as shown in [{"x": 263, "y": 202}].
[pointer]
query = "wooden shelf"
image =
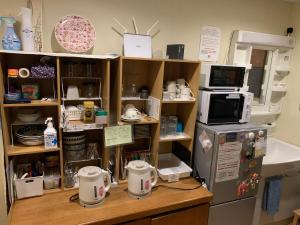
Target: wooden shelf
[
  {"x": 179, "y": 137},
  {"x": 87, "y": 56},
  {"x": 32, "y": 104},
  {"x": 133, "y": 99},
  {"x": 179, "y": 101},
  {"x": 82, "y": 99},
  {"x": 147, "y": 120},
  {"x": 81, "y": 126},
  {"x": 25, "y": 150},
  {"x": 83, "y": 78}
]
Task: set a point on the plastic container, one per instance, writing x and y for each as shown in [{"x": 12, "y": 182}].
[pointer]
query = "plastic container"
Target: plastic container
[
  {"x": 29, "y": 187},
  {"x": 101, "y": 117},
  {"x": 171, "y": 168},
  {"x": 51, "y": 181}
]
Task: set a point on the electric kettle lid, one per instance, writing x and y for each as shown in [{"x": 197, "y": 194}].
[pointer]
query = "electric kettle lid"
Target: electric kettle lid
[
  {"x": 138, "y": 165},
  {"x": 89, "y": 171}
]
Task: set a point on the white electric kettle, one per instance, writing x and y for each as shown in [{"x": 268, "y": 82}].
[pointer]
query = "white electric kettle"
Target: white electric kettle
[
  {"x": 139, "y": 178},
  {"x": 92, "y": 189}
]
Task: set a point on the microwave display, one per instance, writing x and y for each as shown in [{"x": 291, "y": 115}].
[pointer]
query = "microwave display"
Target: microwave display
[
  {"x": 223, "y": 109},
  {"x": 229, "y": 76}
]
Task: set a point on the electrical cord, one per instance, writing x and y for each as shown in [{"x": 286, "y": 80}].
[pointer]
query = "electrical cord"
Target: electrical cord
[
  {"x": 75, "y": 197},
  {"x": 178, "y": 188}
]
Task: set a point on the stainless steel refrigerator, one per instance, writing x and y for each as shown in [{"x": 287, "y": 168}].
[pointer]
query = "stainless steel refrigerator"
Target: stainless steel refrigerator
[{"x": 229, "y": 159}]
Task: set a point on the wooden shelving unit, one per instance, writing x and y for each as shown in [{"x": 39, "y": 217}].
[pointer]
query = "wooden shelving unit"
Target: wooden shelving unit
[
  {"x": 16, "y": 59},
  {"x": 116, "y": 76},
  {"x": 153, "y": 73}
]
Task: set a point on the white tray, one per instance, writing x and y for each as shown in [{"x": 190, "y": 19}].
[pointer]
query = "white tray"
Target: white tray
[{"x": 171, "y": 168}]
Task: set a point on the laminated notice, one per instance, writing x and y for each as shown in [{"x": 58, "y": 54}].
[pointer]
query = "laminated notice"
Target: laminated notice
[{"x": 228, "y": 162}]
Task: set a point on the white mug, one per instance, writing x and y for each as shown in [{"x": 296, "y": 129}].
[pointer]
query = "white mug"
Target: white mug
[
  {"x": 171, "y": 86},
  {"x": 185, "y": 93}
]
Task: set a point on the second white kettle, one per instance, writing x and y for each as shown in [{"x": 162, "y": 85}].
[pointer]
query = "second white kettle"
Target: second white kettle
[{"x": 139, "y": 178}]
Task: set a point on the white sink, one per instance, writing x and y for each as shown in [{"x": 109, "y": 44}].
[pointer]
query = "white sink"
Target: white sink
[{"x": 281, "y": 158}]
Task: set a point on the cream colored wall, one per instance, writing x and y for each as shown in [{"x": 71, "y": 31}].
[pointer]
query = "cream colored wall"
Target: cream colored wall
[
  {"x": 288, "y": 123},
  {"x": 180, "y": 22}
]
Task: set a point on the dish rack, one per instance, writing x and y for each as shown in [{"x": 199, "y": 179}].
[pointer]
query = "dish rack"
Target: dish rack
[
  {"x": 74, "y": 113},
  {"x": 171, "y": 168}
]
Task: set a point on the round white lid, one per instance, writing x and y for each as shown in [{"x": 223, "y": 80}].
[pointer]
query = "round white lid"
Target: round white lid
[
  {"x": 138, "y": 165},
  {"x": 89, "y": 171}
]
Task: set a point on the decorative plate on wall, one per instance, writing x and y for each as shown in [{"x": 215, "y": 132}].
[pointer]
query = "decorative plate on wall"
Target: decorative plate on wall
[{"x": 75, "y": 34}]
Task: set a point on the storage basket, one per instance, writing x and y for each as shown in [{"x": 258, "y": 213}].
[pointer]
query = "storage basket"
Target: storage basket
[
  {"x": 29, "y": 187},
  {"x": 74, "y": 113}
]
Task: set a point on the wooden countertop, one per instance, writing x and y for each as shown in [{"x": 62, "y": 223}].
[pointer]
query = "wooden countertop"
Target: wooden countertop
[{"x": 55, "y": 208}]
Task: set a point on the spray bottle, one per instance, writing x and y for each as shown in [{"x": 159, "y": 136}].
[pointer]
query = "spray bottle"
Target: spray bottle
[
  {"x": 26, "y": 30},
  {"x": 10, "y": 39},
  {"x": 50, "y": 135}
]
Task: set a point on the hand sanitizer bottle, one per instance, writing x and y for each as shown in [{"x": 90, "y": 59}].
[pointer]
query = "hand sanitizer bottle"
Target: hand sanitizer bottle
[{"x": 50, "y": 135}]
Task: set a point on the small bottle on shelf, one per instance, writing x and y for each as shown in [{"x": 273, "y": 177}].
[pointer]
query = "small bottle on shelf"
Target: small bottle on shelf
[
  {"x": 133, "y": 91},
  {"x": 50, "y": 135}
]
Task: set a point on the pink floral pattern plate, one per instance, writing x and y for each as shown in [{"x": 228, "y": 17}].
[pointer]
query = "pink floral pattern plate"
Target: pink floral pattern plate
[{"x": 75, "y": 34}]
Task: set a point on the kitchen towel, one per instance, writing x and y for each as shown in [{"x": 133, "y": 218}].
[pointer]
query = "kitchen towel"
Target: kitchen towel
[{"x": 272, "y": 194}]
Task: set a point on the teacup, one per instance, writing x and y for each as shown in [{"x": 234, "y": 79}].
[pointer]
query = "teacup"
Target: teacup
[{"x": 132, "y": 113}]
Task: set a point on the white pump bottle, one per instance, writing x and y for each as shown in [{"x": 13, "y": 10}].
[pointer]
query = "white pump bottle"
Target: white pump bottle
[{"x": 50, "y": 135}]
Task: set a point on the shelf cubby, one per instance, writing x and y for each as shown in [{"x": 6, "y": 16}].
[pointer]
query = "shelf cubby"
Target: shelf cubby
[{"x": 153, "y": 73}]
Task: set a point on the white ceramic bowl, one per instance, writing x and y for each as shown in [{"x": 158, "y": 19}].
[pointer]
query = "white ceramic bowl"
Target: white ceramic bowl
[{"x": 29, "y": 115}]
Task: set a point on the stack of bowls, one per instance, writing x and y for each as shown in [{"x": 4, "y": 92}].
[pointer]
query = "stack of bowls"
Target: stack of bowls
[
  {"x": 74, "y": 147},
  {"x": 31, "y": 134}
]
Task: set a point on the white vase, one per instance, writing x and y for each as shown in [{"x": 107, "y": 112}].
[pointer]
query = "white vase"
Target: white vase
[{"x": 26, "y": 30}]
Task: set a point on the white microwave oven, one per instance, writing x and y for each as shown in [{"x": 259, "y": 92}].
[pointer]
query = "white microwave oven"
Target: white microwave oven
[
  {"x": 224, "y": 107},
  {"x": 215, "y": 76}
]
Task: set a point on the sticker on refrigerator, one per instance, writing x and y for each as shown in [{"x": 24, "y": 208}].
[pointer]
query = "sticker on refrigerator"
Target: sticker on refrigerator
[
  {"x": 205, "y": 141},
  {"x": 228, "y": 163}
]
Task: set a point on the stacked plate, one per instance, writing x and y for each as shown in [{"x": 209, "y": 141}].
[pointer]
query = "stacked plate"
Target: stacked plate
[
  {"x": 31, "y": 134},
  {"x": 74, "y": 147}
]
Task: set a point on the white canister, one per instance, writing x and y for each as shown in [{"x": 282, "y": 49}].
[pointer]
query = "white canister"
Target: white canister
[
  {"x": 92, "y": 189},
  {"x": 139, "y": 178},
  {"x": 27, "y": 32}
]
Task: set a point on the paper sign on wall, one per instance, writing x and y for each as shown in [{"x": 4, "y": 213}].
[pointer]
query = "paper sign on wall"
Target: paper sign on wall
[
  {"x": 228, "y": 163},
  {"x": 118, "y": 135},
  {"x": 210, "y": 44}
]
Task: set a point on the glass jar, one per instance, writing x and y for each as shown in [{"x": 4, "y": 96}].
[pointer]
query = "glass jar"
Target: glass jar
[
  {"x": 163, "y": 126},
  {"x": 172, "y": 125},
  {"x": 133, "y": 91},
  {"x": 89, "y": 90},
  {"x": 89, "y": 112}
]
